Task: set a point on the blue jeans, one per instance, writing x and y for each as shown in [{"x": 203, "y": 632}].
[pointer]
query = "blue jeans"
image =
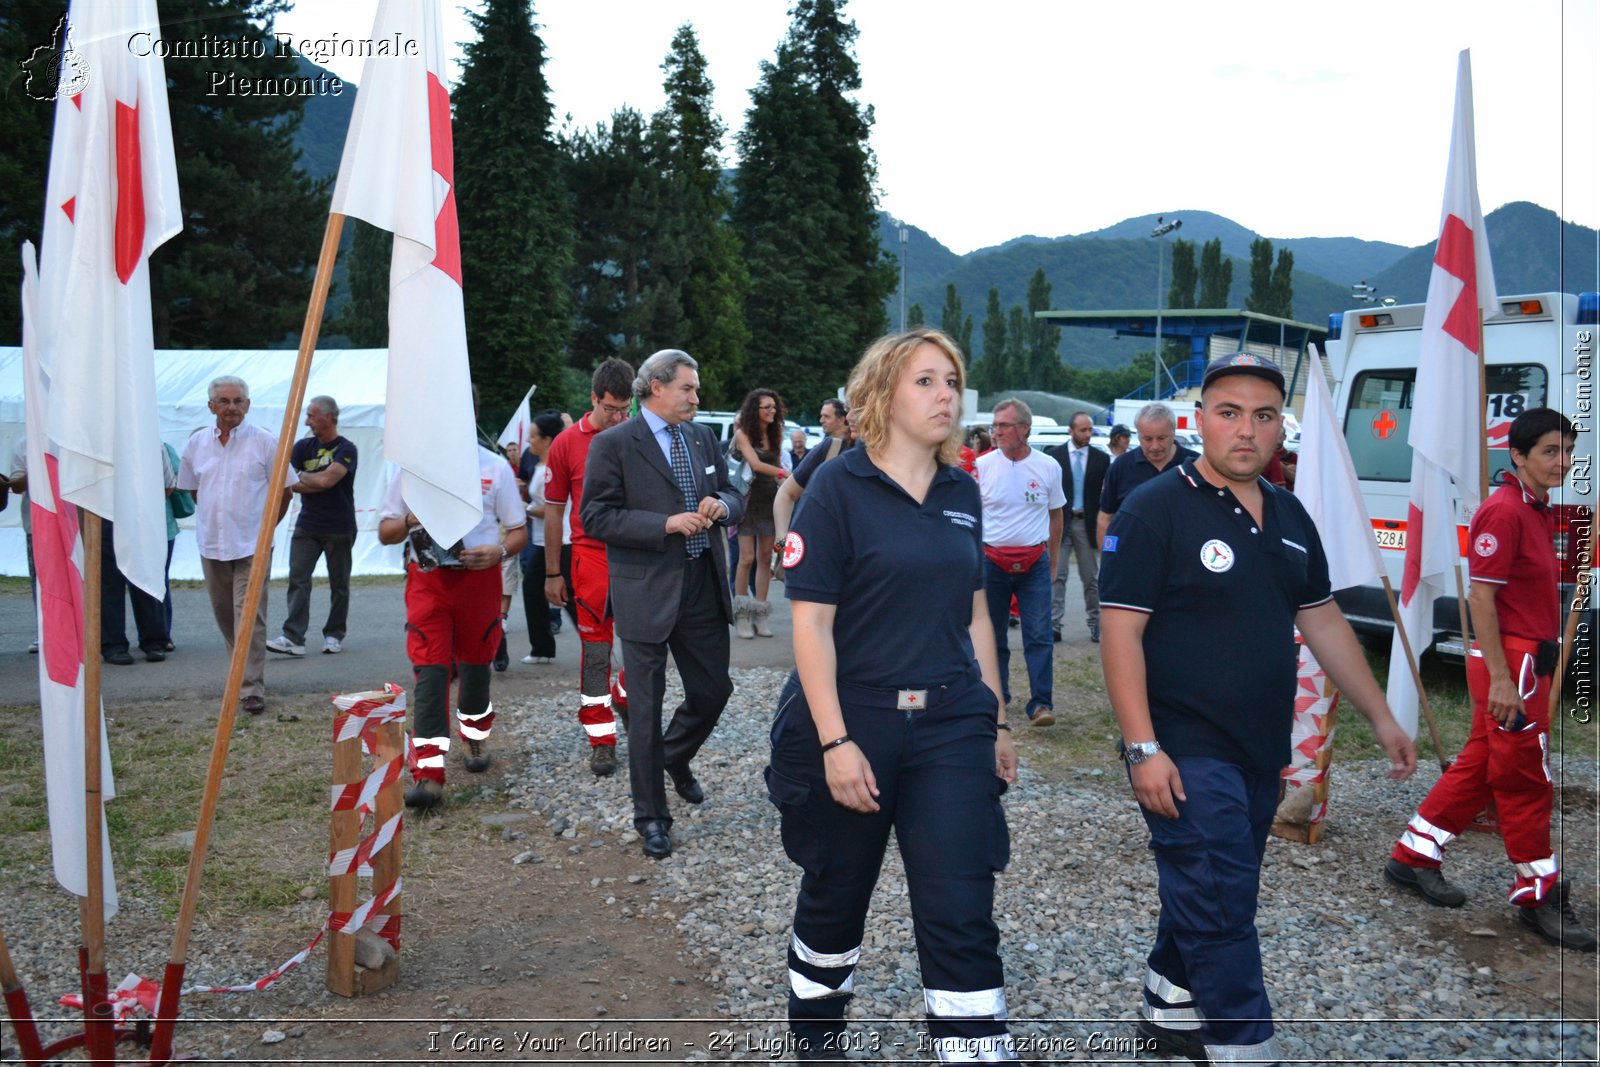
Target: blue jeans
[{"x": 1032, "y": 590}]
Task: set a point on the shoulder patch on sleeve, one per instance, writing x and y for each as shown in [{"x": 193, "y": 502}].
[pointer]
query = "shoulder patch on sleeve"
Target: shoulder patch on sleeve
[
  {"x": 1486, "y": 544},
  {"x": 794, "y": 550},
  {"x": 1109, "y": 544}
]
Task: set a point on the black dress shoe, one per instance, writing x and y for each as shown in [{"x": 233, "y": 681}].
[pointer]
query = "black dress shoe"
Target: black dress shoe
[
  {"x": 683, "y": 781},
  {"x": 121, "y": 658},
  {"x": 657, "y": 843},
  {"x": 154, "y": 655}
]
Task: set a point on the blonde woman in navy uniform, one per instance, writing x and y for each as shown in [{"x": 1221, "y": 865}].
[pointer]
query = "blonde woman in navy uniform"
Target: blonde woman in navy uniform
[{"x": 893, "y": 717}]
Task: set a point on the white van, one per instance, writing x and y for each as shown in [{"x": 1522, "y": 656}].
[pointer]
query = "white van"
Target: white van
[{"x": 1539, "y": 352}]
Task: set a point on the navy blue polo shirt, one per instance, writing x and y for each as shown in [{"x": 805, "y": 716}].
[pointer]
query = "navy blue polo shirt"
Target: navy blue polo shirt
[
  {"x": 902, "y": 574},
  {"x": 1222, "y": 594},
  {"x": 1131, "y": 470}
]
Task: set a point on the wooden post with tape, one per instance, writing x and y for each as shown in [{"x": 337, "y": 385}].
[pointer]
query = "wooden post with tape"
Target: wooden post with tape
[{"x": 360, "y": 960}]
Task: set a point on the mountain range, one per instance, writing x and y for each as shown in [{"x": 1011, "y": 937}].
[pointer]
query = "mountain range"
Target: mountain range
[{"x": 1533, "y": 249}]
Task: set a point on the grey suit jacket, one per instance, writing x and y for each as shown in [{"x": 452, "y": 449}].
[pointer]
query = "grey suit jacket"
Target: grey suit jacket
[{"x": 628, "y": 494}]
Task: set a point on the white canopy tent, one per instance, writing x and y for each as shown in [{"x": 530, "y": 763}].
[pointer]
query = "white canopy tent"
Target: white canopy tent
[{"x": 355, "y": 378}]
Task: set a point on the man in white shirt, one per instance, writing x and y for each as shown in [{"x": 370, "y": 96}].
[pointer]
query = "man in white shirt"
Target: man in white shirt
[
  {"x": 17, "y": 480},
  {"x": 228, "y": 468},
  {"x": 453, "y": 617},
  {"x": 1022, "y": 502}
]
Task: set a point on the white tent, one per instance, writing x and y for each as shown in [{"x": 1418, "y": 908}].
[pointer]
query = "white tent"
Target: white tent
[{"x": 355, "y": 378}]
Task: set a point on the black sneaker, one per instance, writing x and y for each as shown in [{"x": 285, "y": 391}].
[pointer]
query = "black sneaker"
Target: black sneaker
[{"x": 1427, "y": 882}]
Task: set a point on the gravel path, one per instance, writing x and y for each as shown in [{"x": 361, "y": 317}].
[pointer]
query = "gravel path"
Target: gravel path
[{"x": 1354, "y": 971}]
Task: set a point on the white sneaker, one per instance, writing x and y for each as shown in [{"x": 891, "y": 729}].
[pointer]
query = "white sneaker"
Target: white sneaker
[
  {"x": 531, "y": 658},
  {"x": 284, "y": 645},
  {"x": 331, "y": 646}
]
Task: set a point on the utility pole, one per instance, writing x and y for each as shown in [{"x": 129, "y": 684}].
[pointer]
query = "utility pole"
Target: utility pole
[{"x": 1163, "y": 227}]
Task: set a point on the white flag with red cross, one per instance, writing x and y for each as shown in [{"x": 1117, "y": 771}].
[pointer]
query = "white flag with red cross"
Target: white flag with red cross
[
  {"x": 398, "y": 173},
  {"x": 1446, "y": 433},
  {"x": 58, "y": 559},
  {"x": 1325, "y": 482},
  {"x": 111, "y": 199},
  {"x": 520, "y": 427}
]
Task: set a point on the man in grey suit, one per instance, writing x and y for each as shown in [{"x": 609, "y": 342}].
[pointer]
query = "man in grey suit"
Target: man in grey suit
[
  {"x": 656, "y": 493},
  {"x": 1083, "y": 472}
]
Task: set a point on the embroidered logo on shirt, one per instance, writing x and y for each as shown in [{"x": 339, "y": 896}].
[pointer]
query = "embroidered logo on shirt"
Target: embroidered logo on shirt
[
  {"x": 1486, "y": 544},
  {"x": 794, "y": 550},
  {"x": 961, "y": 518},
  {"x": 1216, "y": 556},
  {"x": 1109, "y": 544}
]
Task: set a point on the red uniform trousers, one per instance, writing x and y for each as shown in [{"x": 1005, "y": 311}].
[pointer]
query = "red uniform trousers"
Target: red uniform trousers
[
  {"x": 1510, "y": 766},
  {"x": 452, "y": 616},
  {"x": 591, "y": 592}
]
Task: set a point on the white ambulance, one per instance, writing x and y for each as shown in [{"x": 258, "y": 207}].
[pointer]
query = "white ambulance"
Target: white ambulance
[{"x": 1540, "y": 352}]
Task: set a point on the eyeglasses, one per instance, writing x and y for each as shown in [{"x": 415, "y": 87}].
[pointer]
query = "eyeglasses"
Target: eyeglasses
[
  {"x": 1005, "y": 425},
  {"x": 609, "y": 410}
]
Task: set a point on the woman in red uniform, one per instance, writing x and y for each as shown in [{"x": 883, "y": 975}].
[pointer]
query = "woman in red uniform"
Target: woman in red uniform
[{"x": 1516, "y": 614}]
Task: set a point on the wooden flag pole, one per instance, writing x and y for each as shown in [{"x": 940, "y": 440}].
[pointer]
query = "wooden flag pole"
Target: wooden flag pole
[
  {"x": 1416, "y": 673},
  {"x": 16, "y": 1001},
  {"x": 99, "y": 1035},
  {"x": 167, "y": 1010}
]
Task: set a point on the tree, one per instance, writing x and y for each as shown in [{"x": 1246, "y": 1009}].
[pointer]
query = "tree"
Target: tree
[
  {"x": 992, "y": 372},
  {"x": 1260, "y": 298},
  {"x": 806, "y": 211},
  {"x": 700, "y": 261},
  {"x": 1018, "y": 374},
  {"x": 1184, "y": 276},
  {"x": 914, "y": 317},
  {"x": 1282, "y": 291},
  {"x": 366, "y": 318},
  {"x": 1216, "y": 275},
  {"x": 238, "y": 274},
  {"x": 1044, "y": 340},
  {"x": 616, "y": 193},
  {"x": 950, "y": 316},
  {"x": 516, "y": 225}
]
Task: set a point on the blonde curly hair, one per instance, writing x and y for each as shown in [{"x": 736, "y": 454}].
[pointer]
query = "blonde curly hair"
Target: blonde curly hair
[{"x": 870, "y": 391}]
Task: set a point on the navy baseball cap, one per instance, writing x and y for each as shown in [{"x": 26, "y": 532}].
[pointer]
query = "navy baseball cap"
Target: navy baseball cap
[{"x": 1244, "y": 363}]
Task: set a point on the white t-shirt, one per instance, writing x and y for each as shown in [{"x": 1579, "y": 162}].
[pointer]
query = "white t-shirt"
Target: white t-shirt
[
  {"x": 1018, "y": 497},
  {"x": 536, "y": 500},
  {"x": 502, "y": 504},
  {"x": 19, "y": 467}
]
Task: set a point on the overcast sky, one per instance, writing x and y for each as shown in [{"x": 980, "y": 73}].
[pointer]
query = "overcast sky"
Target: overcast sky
[{"x": 1313, "y": 118}]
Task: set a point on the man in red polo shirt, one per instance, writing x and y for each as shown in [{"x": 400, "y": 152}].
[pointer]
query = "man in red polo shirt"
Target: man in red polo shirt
[
  {"x": 610, "y": 390},
  {"x": 1516, "y": 615}
]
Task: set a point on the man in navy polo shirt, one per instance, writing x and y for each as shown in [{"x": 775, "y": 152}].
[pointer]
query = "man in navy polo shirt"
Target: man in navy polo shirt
[
  {"x": 1205, "y": 575},
  {"x": 325, "y": 463},
  {"x": 1158, "y": 451}
]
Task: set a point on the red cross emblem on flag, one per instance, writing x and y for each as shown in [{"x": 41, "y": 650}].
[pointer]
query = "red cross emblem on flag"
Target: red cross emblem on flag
[{"x": 1384, "y": 425}]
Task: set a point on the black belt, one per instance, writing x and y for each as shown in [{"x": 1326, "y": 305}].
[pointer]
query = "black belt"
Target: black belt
[
  {"x": 896, "y": 699},
  {"x": 1078, "y": 514}
]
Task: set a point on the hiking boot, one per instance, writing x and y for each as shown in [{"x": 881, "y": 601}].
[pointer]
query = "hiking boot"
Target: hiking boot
[
  {"x": 425, "y": 793},
  {"x": 285, "y": 646},
  {"x": 1557, "y": 923},
  {"x": 1427, "y": 882},
  {"x": 603, "y": 760},
  {"x": 477, "y": 760}
]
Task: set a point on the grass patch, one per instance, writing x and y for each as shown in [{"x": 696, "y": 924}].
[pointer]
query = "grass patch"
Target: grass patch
[{"x": 270, "y": 836}]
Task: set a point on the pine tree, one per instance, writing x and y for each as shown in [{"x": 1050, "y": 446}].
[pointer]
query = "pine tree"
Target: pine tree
[
  {"x": 1044, "y": 340},
  {"x": 1260, "y": 298},
  {"x": 914, "y": 317},
  {"x": 1184, "y": 276},
  {"x": 992, "y": 369},
  {"x": 701, "y": 274},
  {"x": 516, "y": 225},
  {"x": 26, "y": 120},
  {"x": 806, "y": 212},
  {"x": 1216, "y": 275},
  {"x": 950, "y": 316},
  {"x": 615, "y": 190},
  {"x": 365, "y": 321},
  {"x": 1019, "y": 374},
  {"x": 1283, "y": 285}
]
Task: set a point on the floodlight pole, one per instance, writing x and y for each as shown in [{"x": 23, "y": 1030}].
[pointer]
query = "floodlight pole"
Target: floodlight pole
[
  {"x": 1160, "y": 234},
  {"x": 903, "y": 241}
]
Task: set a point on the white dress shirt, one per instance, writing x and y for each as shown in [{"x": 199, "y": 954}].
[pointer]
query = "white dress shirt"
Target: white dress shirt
[{"x": 230, "y": 486}]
